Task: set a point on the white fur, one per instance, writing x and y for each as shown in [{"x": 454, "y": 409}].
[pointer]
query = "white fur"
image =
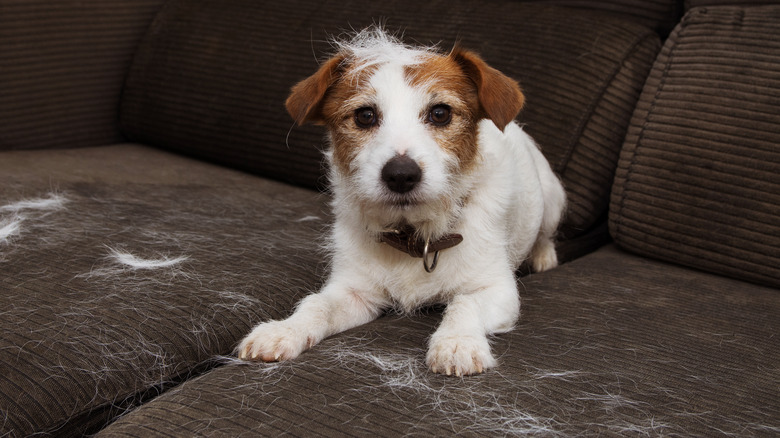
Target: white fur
[
  {"x": 10, "y": 227},
  {"x": 373, "y": 46},
  {"x": 507, "y": 207},
  {"x": 134, "y": 262},
  {"x": 11, "y": 224},
  {"x": 53, "y": 202}
]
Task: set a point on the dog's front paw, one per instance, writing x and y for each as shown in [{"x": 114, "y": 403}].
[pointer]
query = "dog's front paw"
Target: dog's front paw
[
  {"x": 274, "y": 341},
  {"x": 459, "y": 355}
]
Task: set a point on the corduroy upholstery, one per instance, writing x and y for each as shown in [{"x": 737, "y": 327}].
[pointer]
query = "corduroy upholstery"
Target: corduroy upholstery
[
  {"x": 576, "y": 365},
  {"x": 129, "y": 273},
  {"x": 661, "y": 15},
  {"x": 61, "y": 69},
  {"x": 699, "y": 177},
  {"x": 85, "y": 336},
  {"x": 207, "y": 82},
  {"x": 690, "y": 4}
]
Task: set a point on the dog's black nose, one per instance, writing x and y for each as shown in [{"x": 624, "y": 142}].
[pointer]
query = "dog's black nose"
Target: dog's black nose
[{"x": 401, "y": 174}]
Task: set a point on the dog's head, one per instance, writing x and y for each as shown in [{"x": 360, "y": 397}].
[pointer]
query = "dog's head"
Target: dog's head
[{"x": 403, "y": 122}]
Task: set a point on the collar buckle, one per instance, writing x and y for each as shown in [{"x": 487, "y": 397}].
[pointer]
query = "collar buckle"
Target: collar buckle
[{"x": 405, "y": 240}]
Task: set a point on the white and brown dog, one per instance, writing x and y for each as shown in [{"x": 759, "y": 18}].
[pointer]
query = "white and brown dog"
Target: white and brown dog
[{"x": 425, "y": 162}]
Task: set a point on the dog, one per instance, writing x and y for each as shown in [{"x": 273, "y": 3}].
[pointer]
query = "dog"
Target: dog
[{"x": 438, "y": 197}]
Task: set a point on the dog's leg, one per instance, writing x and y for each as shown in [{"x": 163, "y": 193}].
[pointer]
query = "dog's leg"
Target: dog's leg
[
  {"x": 335, "y": 309},
  {"x": 460, "y": 345},
  {"x": 543, "y": 256}
]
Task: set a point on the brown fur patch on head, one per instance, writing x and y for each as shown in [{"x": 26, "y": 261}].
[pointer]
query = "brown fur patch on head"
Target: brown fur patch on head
[
  {"x": 330, "y": 97},
  {"x": 446, "y": 84},
  {"x": 461, "y": 81},
  {"x": 350, "y": 93}
]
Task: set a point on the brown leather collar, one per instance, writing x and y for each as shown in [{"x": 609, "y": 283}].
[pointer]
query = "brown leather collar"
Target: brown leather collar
[{"x": 405, "y": 240}]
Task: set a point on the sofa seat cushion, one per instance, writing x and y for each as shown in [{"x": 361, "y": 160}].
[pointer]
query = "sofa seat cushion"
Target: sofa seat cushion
[
  {"x": 123, "y": 269},
  {"x": 609, "y": 344},
  {"x": 698, "y": 181},
  {"x": 211, "y": 81}
]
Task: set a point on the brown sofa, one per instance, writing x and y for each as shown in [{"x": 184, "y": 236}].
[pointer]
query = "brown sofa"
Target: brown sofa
[{"x": 156, "y": 202}]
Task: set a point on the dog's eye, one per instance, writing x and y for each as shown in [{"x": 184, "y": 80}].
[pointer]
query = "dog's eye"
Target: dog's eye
[
  {"x": 440, "y": 115},
  {"x": 365, "y": 117}
]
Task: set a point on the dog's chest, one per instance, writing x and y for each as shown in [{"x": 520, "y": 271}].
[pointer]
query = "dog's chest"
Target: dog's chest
[{"x": 405, "y": 281}]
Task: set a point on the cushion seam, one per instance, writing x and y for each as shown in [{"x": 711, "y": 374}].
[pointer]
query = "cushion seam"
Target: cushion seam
[
  {"x": 674, "y": 40},
  {"x": 585, "y": 121}
]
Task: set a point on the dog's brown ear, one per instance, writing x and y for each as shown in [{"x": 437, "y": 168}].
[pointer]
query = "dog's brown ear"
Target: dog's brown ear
[
  {"x": 305, "y": 101},
  {"x": 500, "y": 97}
]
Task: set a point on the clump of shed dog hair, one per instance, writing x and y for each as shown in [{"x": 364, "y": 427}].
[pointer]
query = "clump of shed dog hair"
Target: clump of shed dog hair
[
  {"x": 137, "y": 268},
  {"x": 134, "y": 262},
  {"x": 13, "y": 215},
  {"x": 98, "y": 261},
  {"x": 472, "y": 405},
  {"x": 397, "y": 378},
  {"x": 54, "y": 201},
  {"x": 10, "y": 227}
]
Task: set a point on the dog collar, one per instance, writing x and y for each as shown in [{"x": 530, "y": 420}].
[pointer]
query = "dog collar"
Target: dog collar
[{"x": 405, "y": 240}]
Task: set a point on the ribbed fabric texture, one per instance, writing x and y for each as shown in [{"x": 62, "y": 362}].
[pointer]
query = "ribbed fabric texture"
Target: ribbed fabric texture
[
  {"x": 658, "y": 14},
  {"x": 210, "y": 80},
  {"x": 89, "y": 329},
  {"x": 608, "y": 345},
  {"x": 62, "y": 66},
  {"x": 699, "y": 179},
  {"x": 690, "y": 4},
  {"x": 581, "y": 93}
]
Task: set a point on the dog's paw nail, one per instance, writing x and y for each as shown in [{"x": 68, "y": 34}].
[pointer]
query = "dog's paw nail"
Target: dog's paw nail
[
  {"x": 460, "y": 356},
  {"x": 273, "y": 342},
  {"x": 245, "y": 354}
]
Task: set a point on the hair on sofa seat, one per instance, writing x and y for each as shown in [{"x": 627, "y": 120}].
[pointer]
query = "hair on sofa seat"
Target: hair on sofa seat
[
  {"x": 129, "y": 272},
  {"x": 131, "y": 269},
  {"x": 609, "y": 344}
]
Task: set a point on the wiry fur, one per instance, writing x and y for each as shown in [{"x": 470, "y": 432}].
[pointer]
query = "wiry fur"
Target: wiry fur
[
  {"x": 134, "y": 262},
  {"x": 482, "y": 177},
  {"x": 13, "y": 215}
]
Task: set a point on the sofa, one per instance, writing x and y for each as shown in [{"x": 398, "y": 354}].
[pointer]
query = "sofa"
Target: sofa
[{"x": 156, "y": 202}]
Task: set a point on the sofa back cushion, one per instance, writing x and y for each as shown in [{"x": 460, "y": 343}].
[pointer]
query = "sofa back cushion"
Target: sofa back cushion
[
  {"x": 698, "y": 182},
  {"x": 210, "y": 80},
  {"x": 690, "y": 4},
  {"x": 661, "y": 15},
  {"x": 62, "y": 66}
]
